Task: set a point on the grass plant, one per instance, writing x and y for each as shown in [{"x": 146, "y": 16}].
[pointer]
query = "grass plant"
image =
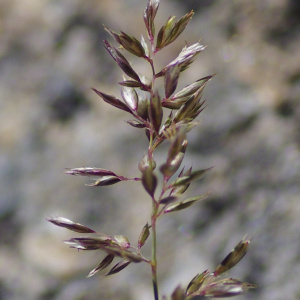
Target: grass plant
[{"x": 164, "y": 116}]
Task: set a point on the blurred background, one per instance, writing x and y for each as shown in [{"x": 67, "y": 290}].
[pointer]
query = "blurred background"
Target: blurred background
[{"x": 51, "y": 54}]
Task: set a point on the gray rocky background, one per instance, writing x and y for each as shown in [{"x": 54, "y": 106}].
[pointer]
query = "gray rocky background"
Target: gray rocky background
[{"x": 51, "y": 54}]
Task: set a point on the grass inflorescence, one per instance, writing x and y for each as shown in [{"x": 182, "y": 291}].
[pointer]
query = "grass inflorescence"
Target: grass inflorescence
[{"x": 167, "y": 116}]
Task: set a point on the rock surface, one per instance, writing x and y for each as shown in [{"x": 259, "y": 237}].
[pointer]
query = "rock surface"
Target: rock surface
[{"x": 51, "y": 54}]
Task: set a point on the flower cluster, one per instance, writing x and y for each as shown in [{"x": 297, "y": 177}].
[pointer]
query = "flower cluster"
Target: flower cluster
[{"x": 167, "y": 116}]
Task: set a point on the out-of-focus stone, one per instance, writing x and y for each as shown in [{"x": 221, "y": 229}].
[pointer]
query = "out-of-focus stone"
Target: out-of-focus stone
[{"x": 249, "y": 131}]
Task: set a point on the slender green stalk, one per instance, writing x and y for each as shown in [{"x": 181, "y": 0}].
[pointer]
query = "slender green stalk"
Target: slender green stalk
[
  {"x": 154, "y": 205},
  {"x": 154, "y": 258}
]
